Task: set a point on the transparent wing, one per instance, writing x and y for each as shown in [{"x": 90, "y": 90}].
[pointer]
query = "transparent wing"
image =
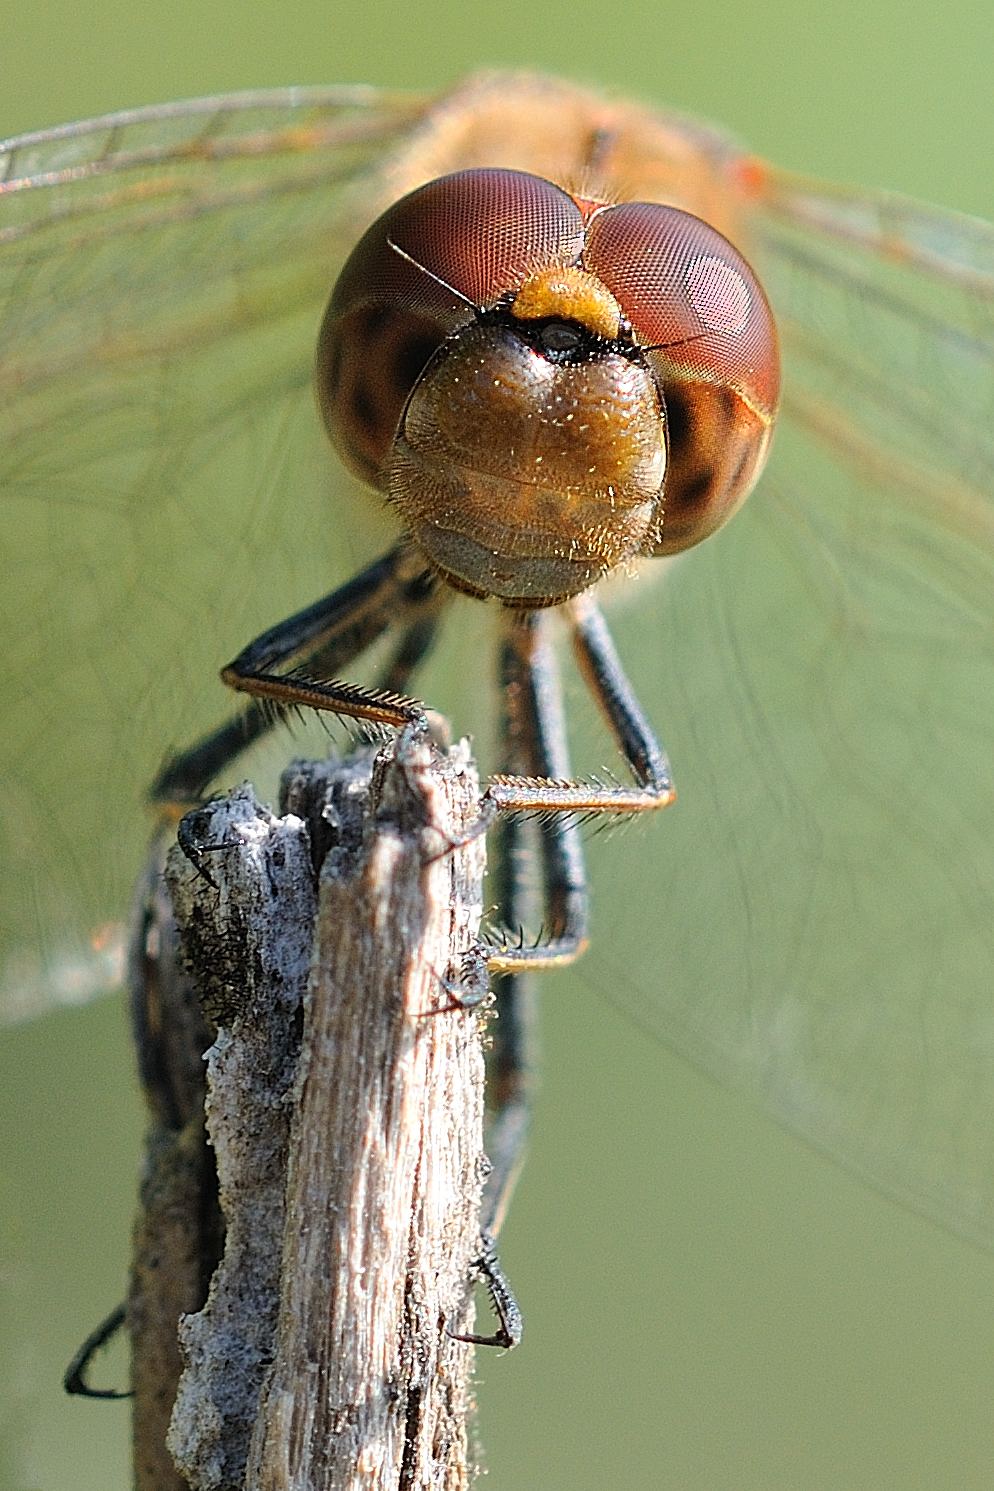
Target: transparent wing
[
  {"x": 887, "y": 314},
  {"x": 164, "y": 487},
  {"x": 813, "y": 919},
  {"x": 824, "y": 935}
]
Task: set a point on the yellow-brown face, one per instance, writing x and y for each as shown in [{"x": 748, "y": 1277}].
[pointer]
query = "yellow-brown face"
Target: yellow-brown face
[{"x": 546, "y": 386}]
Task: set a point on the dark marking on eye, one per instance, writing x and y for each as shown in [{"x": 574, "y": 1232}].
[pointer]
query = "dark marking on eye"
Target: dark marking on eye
[
  {"x": 364, "y": 406},
  {"x": 410, "y": 358},
  {"x": 677, "y": 419},
  {"x": 371, "y": 321},
  {"x": 696, "y": 489}
]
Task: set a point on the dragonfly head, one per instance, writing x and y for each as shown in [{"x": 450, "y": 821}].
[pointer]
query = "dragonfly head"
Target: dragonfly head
[{"x": 544, "y": 386}]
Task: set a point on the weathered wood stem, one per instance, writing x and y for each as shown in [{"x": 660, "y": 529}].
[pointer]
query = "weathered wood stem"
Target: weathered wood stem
[{"x": 345, "y": 1113}]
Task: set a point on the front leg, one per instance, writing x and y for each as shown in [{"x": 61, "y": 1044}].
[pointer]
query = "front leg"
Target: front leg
[
  {"x": 279, "y": 669},
  {"x": 534, "y": 748}
]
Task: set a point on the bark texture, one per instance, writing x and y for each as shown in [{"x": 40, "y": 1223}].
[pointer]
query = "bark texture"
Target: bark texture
[{"x": 345, "y": 1113}]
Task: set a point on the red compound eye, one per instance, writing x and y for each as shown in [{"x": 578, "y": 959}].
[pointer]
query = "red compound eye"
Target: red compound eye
[
  {"x": 460, "y": 242},
  {"x": 698, "y": 310},
  {"x": 687, "y": 290},
  {"x": 482, "y": 232}
]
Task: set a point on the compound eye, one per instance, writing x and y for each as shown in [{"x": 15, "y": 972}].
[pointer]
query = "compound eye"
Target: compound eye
[
  {"x": 483, "y": 232},
  {"x": 689, "y": 292},
  {"x": 708, "y": 333},
  {"x": 456, "y": 245}
]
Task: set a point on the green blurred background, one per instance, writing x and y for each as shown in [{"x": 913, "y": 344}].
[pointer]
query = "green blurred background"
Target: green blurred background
[{"x": 708, "y": 1303}]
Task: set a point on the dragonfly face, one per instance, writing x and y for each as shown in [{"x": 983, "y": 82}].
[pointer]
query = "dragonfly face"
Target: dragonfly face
[
  {"x": 501, "y": 357},
  {"x": 815, "y": 918}
]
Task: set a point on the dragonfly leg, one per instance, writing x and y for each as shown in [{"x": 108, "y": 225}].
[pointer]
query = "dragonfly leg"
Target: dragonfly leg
[
  {"x": 395, "y": 591},
  {"x": 534, "y": 746},
  {"x": 487, "y": 1267},
  {"x": 601, "y": 667},
  {"x": 75, "y": 1378},
  {"x": 532, "y": 742},
  {"x": 535, "y": 749}
]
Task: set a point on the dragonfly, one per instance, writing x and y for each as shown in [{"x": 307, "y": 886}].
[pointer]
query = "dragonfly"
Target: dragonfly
[{"x": 812, "y": 919}]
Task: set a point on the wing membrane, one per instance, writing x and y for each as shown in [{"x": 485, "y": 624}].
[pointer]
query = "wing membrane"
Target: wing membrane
[
  {"x": 162, "y": 275},
  {"x": 887, "y": 315},
  {"x": 815, "y": 924},
  {"x": 827, "y": 696}
]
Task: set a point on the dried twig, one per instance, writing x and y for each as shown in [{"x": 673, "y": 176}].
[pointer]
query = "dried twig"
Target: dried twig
[{"x": 345, "y": 1111}]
